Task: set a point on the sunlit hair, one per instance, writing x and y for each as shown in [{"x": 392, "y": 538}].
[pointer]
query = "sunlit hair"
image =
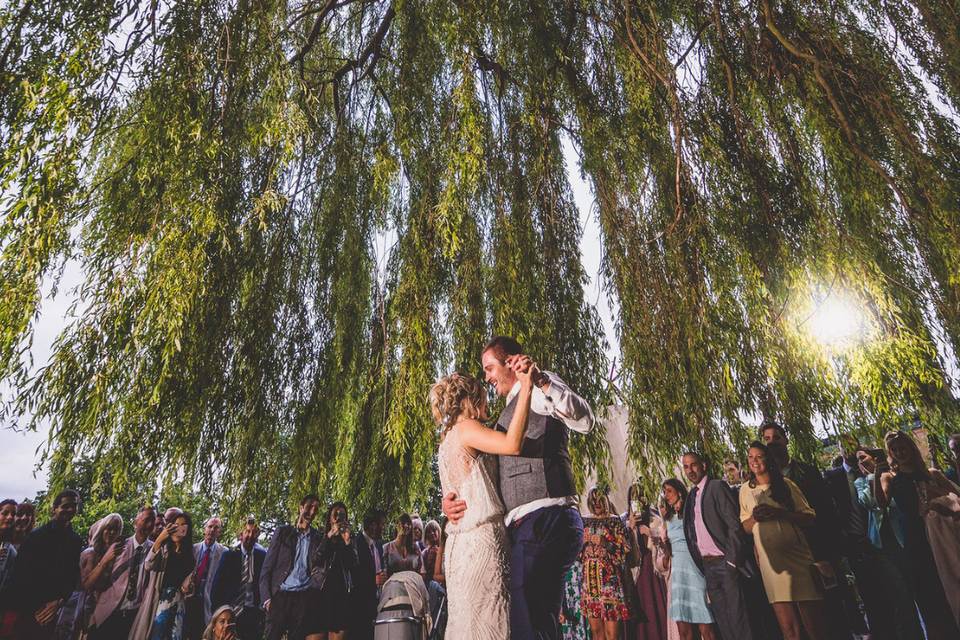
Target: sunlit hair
[
  {"x": 455, "y": 397},
  {"x": 915, "y": 455},
  {"x": 597, "y": 495}
]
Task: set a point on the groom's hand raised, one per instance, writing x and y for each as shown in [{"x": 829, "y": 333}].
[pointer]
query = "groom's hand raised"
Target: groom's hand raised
[{"x": 453, "y": 506}]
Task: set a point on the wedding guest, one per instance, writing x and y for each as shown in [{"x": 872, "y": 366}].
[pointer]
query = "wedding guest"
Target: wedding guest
[
  {"x": 332, "y": 566},
  {"x": 879, "y": 598},
  {"x": 8, "y": 553},
  {"x": 842, "y": 608},
  {"x": 438, "y": 581},
  {"x": 170, "y": 565},
  {"x": 773, "y": 510},
  {"x": 119, "y": 601},
  {"x": 607, "y": 547},
  {"x": 573, "y": 621},
  {"x": 206, "y": 555},
  {"x": 953, "y": 471},
  {"x": 886, "y": 534},
  {"x": 8, "y": 558},
  {"x": 660, "y": 553},
  {"x": 223, "y": 626},
  {"x": 369, "y": 575},
  {"x": 237, "y": 582},
  {"x": 23, "y": 525},
  {"x": 159, "y": 524},
  {"x": 651, "y": 589},
  {"x": 431, "y": 542},
  {"x": 400, "y": 554},
  {"x": 430, "y": 558},
  {"x": 285, "y": 579},
  {"x": 718, "y": 546},
  {"x": 688, "y": 605},
  {"x": 48, "y": 569},
  {"x": 417, "y": 524},
  {"x": 914, "y": 488},
  {"x": 732, "y": 474},
  {"x": 96, "y": 566}
]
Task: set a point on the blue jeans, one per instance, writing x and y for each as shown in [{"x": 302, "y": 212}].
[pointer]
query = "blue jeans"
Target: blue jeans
[{"x": 543, "y": 546}]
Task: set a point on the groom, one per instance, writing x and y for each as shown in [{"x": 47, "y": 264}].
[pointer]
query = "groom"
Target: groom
[{"x": 537, "y": 488}]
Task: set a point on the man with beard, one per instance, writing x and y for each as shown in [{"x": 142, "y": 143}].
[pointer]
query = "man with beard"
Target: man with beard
[{"x": 285, "y": 576}]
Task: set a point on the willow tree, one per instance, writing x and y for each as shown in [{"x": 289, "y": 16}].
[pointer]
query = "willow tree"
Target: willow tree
[{"x": 291, "y": 217}]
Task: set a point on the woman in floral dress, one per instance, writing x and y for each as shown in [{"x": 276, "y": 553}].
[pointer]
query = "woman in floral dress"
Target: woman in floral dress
[
  {"x": 606, "y": 547},
  {"x": 573, "y": 624}
]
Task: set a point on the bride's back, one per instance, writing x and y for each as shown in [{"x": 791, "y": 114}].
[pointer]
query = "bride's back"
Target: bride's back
[{"x": 473, "y": 476}]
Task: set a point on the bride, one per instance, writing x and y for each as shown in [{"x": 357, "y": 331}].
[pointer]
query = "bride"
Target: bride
[{"x": 476, "y": 558}]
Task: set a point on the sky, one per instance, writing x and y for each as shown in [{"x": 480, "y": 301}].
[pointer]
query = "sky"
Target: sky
[{"x": 19, "y": 477}]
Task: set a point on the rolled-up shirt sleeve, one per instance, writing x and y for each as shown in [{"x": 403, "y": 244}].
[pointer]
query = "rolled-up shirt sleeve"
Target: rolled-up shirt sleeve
[{"x": 561, "y": 402}]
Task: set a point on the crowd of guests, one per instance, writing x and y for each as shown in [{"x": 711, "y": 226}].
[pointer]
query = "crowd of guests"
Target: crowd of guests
[
  {"x": 777, "y": 549},
  {"x": 147, "y": 580}
]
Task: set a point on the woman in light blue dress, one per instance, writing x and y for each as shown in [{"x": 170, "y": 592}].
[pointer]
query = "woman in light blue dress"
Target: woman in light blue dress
[{"x": 688, "y": 588}]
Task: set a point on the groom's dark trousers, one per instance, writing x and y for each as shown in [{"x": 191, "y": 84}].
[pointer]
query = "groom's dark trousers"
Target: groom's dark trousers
[{"x": 543, "y": 546}]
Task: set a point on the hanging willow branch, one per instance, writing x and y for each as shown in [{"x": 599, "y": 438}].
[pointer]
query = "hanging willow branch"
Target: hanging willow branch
[{"x": 226, "y": 174}]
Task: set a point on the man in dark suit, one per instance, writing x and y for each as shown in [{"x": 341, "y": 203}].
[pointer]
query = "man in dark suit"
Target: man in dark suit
[
  {"x": 711, "y": 524},
  {"x": 891, "y": 612},
  {"x": 285, "y": 575},
  {"x": 237, "y": 582},
  {"x": 368, "y": 574},
  {"x": 47, "y": 570}
]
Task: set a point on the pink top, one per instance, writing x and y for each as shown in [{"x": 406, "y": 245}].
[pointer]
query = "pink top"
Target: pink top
[{"x": 705, "y": 541}]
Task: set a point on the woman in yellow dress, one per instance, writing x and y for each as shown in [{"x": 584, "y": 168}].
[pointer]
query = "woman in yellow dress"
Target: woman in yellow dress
[{"x": 772, "y": 510}]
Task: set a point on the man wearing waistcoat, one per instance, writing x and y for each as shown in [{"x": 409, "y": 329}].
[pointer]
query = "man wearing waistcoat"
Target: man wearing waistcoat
[{"x": 537, "y": 488}]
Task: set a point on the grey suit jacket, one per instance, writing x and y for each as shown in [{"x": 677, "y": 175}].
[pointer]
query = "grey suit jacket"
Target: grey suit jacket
[
  {"x": 216, "y": 552},
  {"x": 721, "y": 515}
]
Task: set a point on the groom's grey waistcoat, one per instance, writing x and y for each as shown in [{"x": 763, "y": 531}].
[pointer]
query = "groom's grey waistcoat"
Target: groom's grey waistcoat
[{"x": 542, "y": 470}]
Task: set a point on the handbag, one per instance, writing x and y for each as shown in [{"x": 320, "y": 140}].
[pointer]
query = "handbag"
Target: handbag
[{"x": 824, "y": 575}]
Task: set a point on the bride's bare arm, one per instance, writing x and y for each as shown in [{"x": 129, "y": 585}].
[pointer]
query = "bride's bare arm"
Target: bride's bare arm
[{"x": 476, "y": 436}]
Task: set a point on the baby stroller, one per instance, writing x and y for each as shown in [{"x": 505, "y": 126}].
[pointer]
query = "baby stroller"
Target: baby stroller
[{"x": 404, "y": 609}]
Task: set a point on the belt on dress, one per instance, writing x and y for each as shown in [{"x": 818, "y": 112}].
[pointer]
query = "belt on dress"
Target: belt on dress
[{"x": 713, "y": 558}]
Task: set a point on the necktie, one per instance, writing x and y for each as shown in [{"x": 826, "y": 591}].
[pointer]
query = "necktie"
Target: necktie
[
  {"x": 245, "y": 581},
  {"x": 202, "y": 565},
  {"x": 133, "y": 577}
]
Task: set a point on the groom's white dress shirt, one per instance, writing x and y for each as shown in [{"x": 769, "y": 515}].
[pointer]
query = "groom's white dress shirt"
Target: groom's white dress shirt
[{"x": 561, "y": 403}]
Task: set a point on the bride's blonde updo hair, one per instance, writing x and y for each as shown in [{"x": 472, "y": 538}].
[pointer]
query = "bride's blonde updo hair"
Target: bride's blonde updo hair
[{"x": 455, "y": 397}]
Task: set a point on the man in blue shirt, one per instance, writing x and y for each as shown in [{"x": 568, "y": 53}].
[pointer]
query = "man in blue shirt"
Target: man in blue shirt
[{"x": 285, "y": 577}]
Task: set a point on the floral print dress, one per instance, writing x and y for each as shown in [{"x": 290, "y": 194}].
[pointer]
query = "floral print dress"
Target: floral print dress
[{"x": 604, "y": 557}]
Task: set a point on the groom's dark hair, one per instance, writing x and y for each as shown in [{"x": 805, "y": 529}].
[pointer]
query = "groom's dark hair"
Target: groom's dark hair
[{"x": 502, "y": 347}]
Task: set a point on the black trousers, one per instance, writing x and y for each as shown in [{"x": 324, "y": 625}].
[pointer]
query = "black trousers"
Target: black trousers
[
  {"x": 116, "y": 627},
  {"x": 288, "y": 613},
  {"x": 728, "y": 600},
  {"x": 193, "y": 623},
  {"x": 250, "y": 623}
]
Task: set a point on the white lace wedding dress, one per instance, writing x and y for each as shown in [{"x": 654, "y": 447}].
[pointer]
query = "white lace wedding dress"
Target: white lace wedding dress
[{"x": 476, "y": 556}]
